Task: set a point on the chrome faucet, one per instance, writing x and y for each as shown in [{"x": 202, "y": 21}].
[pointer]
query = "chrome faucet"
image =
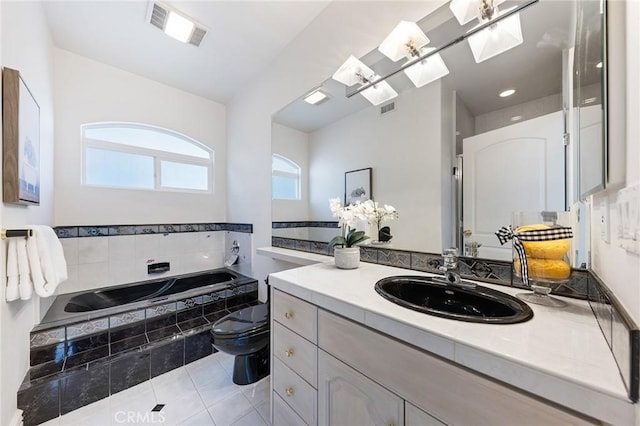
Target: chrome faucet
[{"x": 450, "y": 269}]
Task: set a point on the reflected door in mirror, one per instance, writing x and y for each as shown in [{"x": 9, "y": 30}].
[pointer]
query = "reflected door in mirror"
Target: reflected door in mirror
[{"x": 514, "y": 168}]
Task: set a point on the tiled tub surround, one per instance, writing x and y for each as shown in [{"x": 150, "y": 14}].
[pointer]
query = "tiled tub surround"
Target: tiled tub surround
[
  {"x": 621, "y": 333},
  {"x": 75, "y": 364},
  {"x": 101, "y": 256},
  {"x": 559, "y": 355}
]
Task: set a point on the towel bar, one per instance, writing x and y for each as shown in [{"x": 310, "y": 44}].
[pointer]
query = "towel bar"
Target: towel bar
[{"x": 10, "y": 233}]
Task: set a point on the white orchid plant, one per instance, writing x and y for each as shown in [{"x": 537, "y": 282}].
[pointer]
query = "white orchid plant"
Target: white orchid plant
[
  {"x": 348, "y": 217},
  {"x": 376, "y": 215},
  {"x": 368, "y": 211}
]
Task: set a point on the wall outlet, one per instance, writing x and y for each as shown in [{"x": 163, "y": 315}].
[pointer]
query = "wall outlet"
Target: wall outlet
[{"x": 605, "y": 227}]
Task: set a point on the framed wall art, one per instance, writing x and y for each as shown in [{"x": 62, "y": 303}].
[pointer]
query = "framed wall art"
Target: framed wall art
[
  {"x": 357, "y": 186},
  {"x": 21, "y": 136}
]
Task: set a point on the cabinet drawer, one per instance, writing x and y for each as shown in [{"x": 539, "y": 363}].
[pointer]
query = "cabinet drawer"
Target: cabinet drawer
[
  {"x": 298, "y": 354},
  {"x": 297, "y": 393},
  {"x": 295, "y": 314},
  {"x": 283, "y": 415}
]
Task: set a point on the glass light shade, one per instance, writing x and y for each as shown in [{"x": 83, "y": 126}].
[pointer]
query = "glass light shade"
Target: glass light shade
[
  {"x": 178, "y": 27},
  {"x": 466, "y": 10},
  {"x": 395, "y": 45},
  {"x": 427, "y": 70},
  {"x": 496, "y": 39},
  {"x": 379, "y": 93},
  {"x": 347, "y": 74}
]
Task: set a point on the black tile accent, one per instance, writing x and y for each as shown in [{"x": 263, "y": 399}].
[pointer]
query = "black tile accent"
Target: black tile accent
[
  {"x": 129, "y": 370},
  {"x": 304, "y": 224},
  {"x": 318, "y": 247},
  {"x": 67, "y": 231},
  {"x": 44, "y": 354},
  {"x": 197, "y": 346},
  {"x": 167, "y": 357},
  {"x": 161, "y": 321},
  {"x": 39, "y": 403},
  {"x": 217, "y": 302},
  {"x": 84, "y": 387},
  {"x": 277, "y": 242},
  {"x": 185, "y": 326},
  {"x": 168, "y": 229},
  {"x": 302, "y": 245},
  {"x": 86, "y": 343},
  {"x": 163, "y": 333},
  {"x": 425, "y": 262},
  {"x": 147, "y": 229},
  {"x": 128, "y": 344},
  {"x": 93, "y": 231},
  {"x": 189, "y": 314},
  {"x": 86, "y": 356},
  {"x": 288, "y": 243},
  {"x": 45, "y": 369},
  {"x": 189, "y": 227},
  {"x": 127, "y": 331},
  {"x": 122, "y": 230}
]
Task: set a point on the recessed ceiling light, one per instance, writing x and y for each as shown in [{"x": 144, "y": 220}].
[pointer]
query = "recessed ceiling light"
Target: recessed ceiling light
[
  {"x": 178, "y": 27},
  {"x": 315, "y": 97},
  {"x": 507, "y": 92},
  {"x": 516, "y": 118},
  {"x": 599, "y": 65}
]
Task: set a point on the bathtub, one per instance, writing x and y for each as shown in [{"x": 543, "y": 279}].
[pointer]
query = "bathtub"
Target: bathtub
[{"x": 102, "y": 302}]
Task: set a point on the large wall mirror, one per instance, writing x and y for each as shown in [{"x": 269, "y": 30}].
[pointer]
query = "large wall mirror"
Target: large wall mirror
[{"x": 456, "y": 156}]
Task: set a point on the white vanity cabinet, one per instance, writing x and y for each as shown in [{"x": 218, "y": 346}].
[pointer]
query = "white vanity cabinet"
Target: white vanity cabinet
[
  {"x": 354, "y": 375},
  {"x": 293, "y": 360}
]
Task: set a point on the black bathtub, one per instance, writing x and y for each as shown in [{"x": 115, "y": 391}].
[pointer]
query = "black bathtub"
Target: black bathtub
[
  {"x": 152, "y": 291},
  {"x": 121, "y": 298}
]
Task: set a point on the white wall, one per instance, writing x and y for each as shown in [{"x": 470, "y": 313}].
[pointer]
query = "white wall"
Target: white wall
[
  {"x": 403, "y": 148},
  {"x": 89, "y": 91},
  {"x": 294, "y": 145},
  {"x": 620, "y": 269},
  {"x": 27, "y": 47},
  {"x": 342, "y": 29}
]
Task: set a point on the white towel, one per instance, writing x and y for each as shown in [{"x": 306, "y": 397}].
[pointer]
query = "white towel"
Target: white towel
[
  {"x": 52, "y": 262},
  {"x": 12, "y": 293},
  {"x": 25, "y": 285}
]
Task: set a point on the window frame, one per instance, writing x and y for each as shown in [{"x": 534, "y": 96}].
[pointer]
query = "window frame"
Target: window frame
[
  {"x": 281, "y": 173},
  {"x": 157, "y": 155}
]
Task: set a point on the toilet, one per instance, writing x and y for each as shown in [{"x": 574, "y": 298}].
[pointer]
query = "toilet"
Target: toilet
[{"x": 245, "y": 334}]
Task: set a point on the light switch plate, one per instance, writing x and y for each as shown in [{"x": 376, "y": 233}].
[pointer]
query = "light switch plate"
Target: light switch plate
[
  {"x": 628, "y": 208},
  {"x": 605, "y": 228}
]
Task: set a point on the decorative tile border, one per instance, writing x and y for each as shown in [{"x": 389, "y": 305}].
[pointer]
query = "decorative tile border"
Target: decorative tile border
[
  {"x": 48, "y": 337},
  {"x": 86, "y": 328},
  {"x": 113, "y": 230},
  {"x": 304, "y": 224}
]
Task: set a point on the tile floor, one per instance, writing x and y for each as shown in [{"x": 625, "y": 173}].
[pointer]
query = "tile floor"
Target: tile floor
[{"x": 198, "y": 394}]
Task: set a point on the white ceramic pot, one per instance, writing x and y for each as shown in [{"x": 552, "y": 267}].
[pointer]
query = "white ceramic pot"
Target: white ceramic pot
[{"x": 347, "y": 257}]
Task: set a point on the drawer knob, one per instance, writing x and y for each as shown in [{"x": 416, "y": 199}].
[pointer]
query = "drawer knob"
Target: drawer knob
[
  {"x": 289, "y": 391},
  {"x": 288, "y": 352},
  {"x": 288, "y": 315}
]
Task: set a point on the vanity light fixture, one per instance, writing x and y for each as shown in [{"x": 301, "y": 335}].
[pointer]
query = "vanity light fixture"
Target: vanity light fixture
[
  {"x": 353, "y": 71},
  {"x": 315, "y": 97},
  {"x": 466, "y": 10},
  {"x": 176, "y": 24},
  {"x": 498, "y": 37},
  {"x": 407, "y": 40},
  {"x": 507, "y": 93}
]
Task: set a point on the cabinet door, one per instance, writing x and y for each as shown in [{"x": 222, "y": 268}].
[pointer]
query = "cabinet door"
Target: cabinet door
[
  {"x": 346, "y": 397},
  {"x": 413, "y": 416}
]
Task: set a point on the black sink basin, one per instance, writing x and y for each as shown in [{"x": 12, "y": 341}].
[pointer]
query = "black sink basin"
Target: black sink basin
[{"x": 479, "y": 304}]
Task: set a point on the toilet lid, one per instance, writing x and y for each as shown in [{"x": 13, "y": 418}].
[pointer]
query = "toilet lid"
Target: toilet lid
[{"x": 244, "y": 321}]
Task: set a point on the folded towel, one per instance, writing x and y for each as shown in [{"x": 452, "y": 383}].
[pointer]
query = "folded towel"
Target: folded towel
[
  {"x": 25, "y": 285},
  {"x": 12, "y": 293},
  {"x": 52, "y": 262}
]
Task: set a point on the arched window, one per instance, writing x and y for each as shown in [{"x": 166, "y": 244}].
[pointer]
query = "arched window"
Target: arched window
[
  {"x": 285, "y": 178},
  {"x": 139, "y": 156}
]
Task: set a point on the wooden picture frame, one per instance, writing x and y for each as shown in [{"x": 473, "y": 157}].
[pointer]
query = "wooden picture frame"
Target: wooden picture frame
[
  {"x": 357, "y": 186},
  {"x": 21, "y": 141}
]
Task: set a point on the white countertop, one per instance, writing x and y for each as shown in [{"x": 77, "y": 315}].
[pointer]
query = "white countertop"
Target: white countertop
[{"x": 560, "y": 354}]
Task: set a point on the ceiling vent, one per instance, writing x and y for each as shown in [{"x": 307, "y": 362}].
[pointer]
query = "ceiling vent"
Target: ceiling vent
[
  {"x": 385, "y": 109},
  {"x": 160, "y": 15}
]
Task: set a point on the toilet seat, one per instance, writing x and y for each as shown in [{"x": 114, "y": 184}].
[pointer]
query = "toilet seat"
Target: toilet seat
[{"x": 243, "y": 323}]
